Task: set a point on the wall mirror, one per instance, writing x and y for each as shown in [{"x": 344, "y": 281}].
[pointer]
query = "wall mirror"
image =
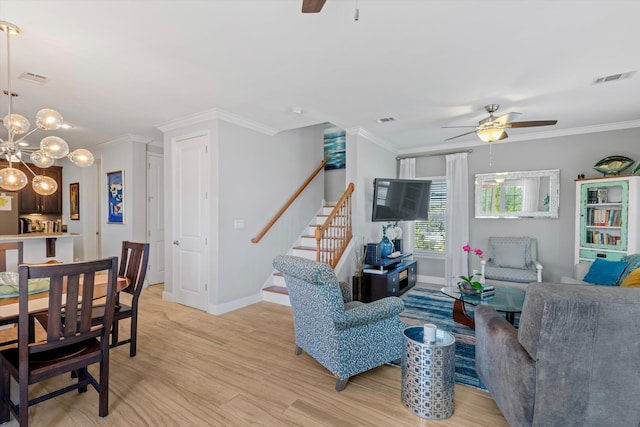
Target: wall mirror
[{"x": 527, "y": 194}]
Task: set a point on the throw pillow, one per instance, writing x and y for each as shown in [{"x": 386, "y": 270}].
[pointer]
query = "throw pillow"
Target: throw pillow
[
  {"x": 633, "y": 279},
  {"x": 510, "y": 255},
  {"x": 603, "y": 272}
]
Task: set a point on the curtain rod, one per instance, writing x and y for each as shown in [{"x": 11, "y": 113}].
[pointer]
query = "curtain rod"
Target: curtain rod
[{"x": 431, "y": 154}]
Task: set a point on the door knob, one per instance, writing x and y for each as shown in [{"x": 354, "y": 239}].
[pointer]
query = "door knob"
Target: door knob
[{"x": 176, "y": 242}]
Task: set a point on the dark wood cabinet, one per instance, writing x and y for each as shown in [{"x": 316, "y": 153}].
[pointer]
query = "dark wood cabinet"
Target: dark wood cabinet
[
  {"x": 394, "y": 280},
  {"x": 31, "y": 202}
]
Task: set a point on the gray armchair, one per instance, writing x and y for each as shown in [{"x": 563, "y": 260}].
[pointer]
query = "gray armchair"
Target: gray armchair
[
  {"x": 573, "y": 361},
  {"x": 346, "y": 337},
  {"x": 512, "y": 261}
]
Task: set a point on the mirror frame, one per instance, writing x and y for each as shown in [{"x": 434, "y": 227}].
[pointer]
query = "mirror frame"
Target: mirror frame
[{"x": 554, "y": 193}]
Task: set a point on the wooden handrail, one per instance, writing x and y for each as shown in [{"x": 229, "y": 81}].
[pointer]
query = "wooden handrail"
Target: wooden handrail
[
  {"x": 289, "y": 203},
  {"x": 334, "y": 235}
]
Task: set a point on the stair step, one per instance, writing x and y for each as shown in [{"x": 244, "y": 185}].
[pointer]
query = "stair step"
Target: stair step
[
  {"x": 277, "y": 289},
  {"x": 276, "y": 295}
]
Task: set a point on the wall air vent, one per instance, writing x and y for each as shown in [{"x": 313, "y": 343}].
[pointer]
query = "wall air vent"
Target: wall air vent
[
  {"x": 386, "y": 120},
  {"x": 33, "y": 78},
  {"x": 613, "y": 77}
]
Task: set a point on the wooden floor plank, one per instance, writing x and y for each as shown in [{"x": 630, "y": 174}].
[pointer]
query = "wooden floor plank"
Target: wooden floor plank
[{"x": 237, "y": 369}]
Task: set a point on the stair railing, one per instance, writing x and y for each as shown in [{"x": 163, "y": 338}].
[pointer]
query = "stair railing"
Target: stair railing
[
  {"x": 333, "y": 236},
  {"x": 289, "y": 202}
]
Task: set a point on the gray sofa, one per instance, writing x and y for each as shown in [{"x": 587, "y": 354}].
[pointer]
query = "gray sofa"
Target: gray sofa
[{"x": 574, "y": 361}]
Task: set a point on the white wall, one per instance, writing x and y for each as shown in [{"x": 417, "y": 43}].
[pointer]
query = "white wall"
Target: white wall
[
  {"x": 334, "y": 184},
  {"x": 253, "y": 174},
  {"x": 128, "y": 154},
  {"x": 257, "y": 175},
  {"x": 367, "y": 158}
]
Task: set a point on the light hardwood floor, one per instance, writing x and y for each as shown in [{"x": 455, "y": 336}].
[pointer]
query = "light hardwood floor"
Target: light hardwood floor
[{"x": 238, "y": 369}]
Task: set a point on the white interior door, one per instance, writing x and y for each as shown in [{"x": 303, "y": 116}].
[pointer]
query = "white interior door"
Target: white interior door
[
  {"x": 155, "y": 220},
  {"x": 190, "y": 217}
]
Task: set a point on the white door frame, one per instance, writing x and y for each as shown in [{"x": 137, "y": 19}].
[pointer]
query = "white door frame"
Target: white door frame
[{"x": 155, "y": 215}]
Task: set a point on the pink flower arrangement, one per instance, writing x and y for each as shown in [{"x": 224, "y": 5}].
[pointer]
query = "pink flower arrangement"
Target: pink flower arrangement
[{"x": 469, "y": 279}]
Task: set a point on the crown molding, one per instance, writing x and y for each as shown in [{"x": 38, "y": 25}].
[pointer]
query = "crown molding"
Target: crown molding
[
  {"x": 217, "y": 114},
  {"x": 381, "y": 142},
  {"x": 120, "y": 140}
]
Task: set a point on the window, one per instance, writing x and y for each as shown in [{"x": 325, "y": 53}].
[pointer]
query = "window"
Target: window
[{"x": 430, "y": 234}]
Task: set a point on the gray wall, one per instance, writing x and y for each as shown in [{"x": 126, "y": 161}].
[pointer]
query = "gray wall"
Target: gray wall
[
  {"x": 573, "y": 155},
  {"x": 257, "y": 175},
  {"x": 334, "y": 184}
]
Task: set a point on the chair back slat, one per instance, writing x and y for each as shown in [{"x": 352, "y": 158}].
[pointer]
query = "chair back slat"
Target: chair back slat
[
  {"x": 87, "y": 302},
  {"x": 55, "y": 307},
  {"x": 9, "y": 246}
]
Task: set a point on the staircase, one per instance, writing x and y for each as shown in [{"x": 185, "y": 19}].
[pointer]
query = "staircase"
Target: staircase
[{"x": 305, "y": 247}]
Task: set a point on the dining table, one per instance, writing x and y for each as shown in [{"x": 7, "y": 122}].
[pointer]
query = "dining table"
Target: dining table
[{"x": 39, "y": 294}]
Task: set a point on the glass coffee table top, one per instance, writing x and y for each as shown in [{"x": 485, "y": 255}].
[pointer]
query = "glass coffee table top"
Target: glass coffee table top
[{"x": 506, "y": 300}]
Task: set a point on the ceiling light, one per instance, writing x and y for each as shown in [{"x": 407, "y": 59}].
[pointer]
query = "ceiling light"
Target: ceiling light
[
  {"x": 491, "y": 134},
  {"x": 51, "y": 147}
]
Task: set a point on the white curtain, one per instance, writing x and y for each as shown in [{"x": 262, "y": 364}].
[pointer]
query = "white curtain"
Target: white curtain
[
  {"x": 408, "y": 171},
  {"x": 457, "y": 217}
]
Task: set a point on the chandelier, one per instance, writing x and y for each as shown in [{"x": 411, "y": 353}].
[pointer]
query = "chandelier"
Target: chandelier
[{"x": 15, "y": 146}]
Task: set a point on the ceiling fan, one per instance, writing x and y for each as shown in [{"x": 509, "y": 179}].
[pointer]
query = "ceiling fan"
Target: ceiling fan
[
  {"x": 312, "y": 6},
  {"x": 493, "y": 128}
]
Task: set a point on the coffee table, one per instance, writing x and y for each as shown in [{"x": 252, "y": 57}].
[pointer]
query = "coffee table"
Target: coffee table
[{"x": 506, "y": 300}]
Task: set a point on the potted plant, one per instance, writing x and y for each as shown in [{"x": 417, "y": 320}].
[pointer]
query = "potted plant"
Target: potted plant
[{"x": 467, "y": 284}]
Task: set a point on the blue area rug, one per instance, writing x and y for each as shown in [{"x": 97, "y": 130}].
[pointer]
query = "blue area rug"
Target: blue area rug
[{"x": 432, "y": 306}]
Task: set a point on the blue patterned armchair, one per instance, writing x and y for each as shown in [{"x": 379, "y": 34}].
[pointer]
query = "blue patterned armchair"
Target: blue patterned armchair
[
  {"x": 512, "y": 262},
  {"x": 346, "y": 337}
]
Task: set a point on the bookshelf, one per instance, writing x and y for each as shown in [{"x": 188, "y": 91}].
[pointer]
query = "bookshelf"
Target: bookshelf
[{"x": 607, "y": 218}]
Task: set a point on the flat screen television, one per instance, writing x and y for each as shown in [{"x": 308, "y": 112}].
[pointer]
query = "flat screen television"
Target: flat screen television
[{"x": 400, "y": 199}]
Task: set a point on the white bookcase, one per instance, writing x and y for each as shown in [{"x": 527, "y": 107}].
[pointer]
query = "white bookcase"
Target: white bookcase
[{"x": 607, "y": 218}]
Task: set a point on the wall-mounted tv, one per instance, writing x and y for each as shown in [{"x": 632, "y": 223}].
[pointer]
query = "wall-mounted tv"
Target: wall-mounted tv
[{"x": 400, "y": 199}]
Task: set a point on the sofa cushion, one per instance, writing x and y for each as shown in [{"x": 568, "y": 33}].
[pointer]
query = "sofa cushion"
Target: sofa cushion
[
  {"x": 633, "y": 279},
  {"x": 603, "y": 272}
]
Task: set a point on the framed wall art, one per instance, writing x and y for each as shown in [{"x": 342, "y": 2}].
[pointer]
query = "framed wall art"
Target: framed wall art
[
  {"x": 74, "y": 201},
  {"x": 115, "y": 197}
]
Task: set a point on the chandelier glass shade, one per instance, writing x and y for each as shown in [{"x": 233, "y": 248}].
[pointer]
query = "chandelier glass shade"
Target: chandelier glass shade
[{"x": 18, "y": 129}]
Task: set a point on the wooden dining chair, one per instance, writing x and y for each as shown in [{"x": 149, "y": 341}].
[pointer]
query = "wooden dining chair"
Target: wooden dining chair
[
  {"x": 68, "y": 347},
  {"x": 9, "y": 246},
  {"x": 133, "y": 266},
  {"x": 4, "y": 248}
]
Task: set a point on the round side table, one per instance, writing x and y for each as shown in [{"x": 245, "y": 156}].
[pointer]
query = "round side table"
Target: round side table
[{"x": 428, "y": 371}]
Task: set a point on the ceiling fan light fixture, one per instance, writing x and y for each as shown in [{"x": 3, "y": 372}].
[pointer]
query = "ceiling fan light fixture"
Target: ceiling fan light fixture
[{"x": 491, "y": 134}]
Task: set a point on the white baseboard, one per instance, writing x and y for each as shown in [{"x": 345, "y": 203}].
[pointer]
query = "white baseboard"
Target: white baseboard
[
  {"x": 431, "y": 279},
  {"x": 167, "y": 296},
  {"x": 234, "y": 305}
]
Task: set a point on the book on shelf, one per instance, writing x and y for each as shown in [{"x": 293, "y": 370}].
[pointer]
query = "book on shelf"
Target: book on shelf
[{"x": 602, "y": 195}]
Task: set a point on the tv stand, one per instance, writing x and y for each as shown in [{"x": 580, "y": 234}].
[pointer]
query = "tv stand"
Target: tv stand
[{"x": 389, "y": 277}]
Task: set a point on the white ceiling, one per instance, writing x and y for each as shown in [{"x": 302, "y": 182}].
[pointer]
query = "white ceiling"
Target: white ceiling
[{"x": 124, "y": 67}]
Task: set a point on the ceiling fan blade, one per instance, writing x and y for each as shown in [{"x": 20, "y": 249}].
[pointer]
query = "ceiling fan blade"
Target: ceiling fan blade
[
  {"x": 531, "y": 123},
  {"x": 506, "y": 118},
  {"x": 458, "y": 136},
  {"x": 312, "y": 6}
]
